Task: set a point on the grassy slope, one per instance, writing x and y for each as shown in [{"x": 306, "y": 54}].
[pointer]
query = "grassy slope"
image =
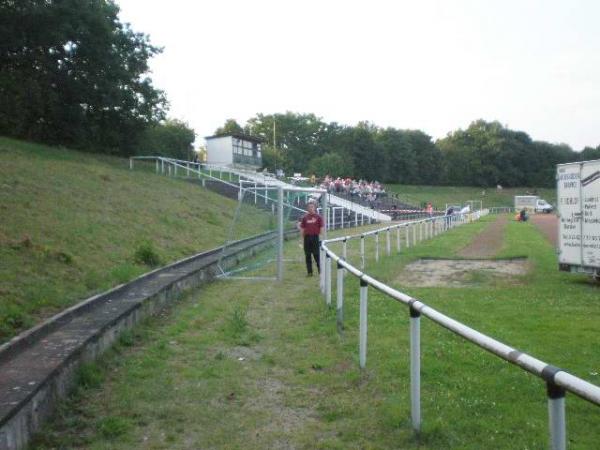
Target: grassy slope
[
  {"x": 70, "y": 223},
  {"x": 441, "y": 195},
  {"x": 183, "y": 384}
]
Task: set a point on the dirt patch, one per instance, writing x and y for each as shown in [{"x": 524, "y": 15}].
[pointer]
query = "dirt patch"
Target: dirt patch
[
  {"x": 487, "y": 243},
  {"x": 548, "y": 225},
  {"x": 462, "y": 272}
]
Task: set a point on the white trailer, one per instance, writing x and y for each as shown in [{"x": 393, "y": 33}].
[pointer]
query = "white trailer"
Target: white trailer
[
  {"x": 578, "y": 191},
  {"x": 532, "y": 203}
]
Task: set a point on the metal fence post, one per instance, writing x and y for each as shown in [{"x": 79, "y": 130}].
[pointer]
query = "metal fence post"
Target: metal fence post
[
  {"x": 322, "y": 270},
  {"x": 362, "y": 252},
  {"x": 376, "y": 247},
  {"x": 362, "y": 344},
  {"x": 340, "y": 298},
  {"x": 344, "y": 252},
  {"x": 388, "y": 244},
  {"x": 415, "y": 368},
  {"x": 328, "y": 279},
  {"x": 556, "y": 416},
  {"x": 280, "y": 233}
]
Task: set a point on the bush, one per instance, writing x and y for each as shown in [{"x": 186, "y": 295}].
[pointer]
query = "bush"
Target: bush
[{"x": 147, "y": 254}]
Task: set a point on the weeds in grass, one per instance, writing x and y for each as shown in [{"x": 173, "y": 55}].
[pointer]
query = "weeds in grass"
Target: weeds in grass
[
  {"x": 124, "y": 273},
  {"x": 146, "y": 254},
  {"x": 238, "y": 320},
  {"x": 89, "y": 376},
  {"x": 112, "y": 427}
]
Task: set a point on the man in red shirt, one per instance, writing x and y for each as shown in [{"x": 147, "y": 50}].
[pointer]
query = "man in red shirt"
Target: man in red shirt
[{"x": 311, "y": 227}]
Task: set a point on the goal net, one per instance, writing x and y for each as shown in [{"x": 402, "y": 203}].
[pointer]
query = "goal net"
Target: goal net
[{"x": 282, "y": 208}]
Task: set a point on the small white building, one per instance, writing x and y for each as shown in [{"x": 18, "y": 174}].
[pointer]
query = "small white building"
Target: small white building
[{"x": 234, "y": 150}]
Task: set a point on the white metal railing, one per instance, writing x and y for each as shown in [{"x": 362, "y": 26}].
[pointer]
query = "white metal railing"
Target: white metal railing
[
  {"x": 558, "y": 382},
  {"x": 258, "y": 185}
]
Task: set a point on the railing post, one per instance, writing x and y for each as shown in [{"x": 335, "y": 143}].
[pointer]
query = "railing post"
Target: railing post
[
  {"x": 340, "y": 298},
  {"x": 328, "y": 279},
  {"x": 556, "y": 416},
  {"x": 398, "y": 245},
  {"x": 421, "y": 231},
  {"x": 376, "y": 247},
  {"x": 407, "y": 238},
  {"x": 322, "y": 270},
  {"x": 415, "y": 368},
  {"x": 344, "y": 252},
  {"x": 130, "y": 163},
  {"x": 280, "y": 233},
  {"x": 156, "y": 166},
  {"x": 414, "y": 233},
  {"x": 174, "y": 169},
  {"x": 388, "y": 244},
  {"x": 362, "y": 340},
  {"x": 162, "y": 166},
  {"x": 187, "y": 165},
  {"x": 362, "y": 252}
]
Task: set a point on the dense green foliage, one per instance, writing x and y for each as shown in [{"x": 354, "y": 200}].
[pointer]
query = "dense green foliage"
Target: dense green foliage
[
  {"x": 71, "y": 73},
  {"x": 169, "y": 138},
  {"x": 485, "y": 154}
]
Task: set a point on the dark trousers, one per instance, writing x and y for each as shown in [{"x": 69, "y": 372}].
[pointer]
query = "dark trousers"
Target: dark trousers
[{"x": 311, "y": 247}]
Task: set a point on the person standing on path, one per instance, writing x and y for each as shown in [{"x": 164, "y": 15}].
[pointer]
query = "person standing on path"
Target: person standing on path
[{"x": 311, "y": 227}]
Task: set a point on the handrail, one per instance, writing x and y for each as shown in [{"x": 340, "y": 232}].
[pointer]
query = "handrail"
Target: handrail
[
  {"x": 557, "y": 380},
  {"x": 254, "y": 191}
]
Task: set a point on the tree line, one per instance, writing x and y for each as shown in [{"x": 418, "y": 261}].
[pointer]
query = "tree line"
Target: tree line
[
  {"x": 484, "y": 154},
  {"x": 72, "y": 74}
]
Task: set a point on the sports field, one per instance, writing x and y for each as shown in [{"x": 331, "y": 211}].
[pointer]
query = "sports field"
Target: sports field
[
  {"x": 242, "y": 364},
  {"x": 439, "y": 196}
]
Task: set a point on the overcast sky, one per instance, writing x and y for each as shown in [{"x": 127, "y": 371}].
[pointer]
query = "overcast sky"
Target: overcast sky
[{"x": 429, "y": 65}]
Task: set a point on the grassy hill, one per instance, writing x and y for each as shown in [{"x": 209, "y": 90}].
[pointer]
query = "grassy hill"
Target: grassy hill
[
  {"x": 440, "y": 195},
  {"x": 72, "y": 224}
]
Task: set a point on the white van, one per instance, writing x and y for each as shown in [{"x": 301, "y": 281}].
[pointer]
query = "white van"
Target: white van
[{"x": 532, "y": 203}]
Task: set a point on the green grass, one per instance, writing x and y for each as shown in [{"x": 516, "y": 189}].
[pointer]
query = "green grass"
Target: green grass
[
  {"x": 187, "y": 380},
  {"x": 439, "y": 196},
  {"x": 73, "y": 224}
]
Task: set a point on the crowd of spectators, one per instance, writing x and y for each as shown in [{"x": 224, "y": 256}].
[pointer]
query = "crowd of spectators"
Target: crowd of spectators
[{"x": 368, "y": 190}]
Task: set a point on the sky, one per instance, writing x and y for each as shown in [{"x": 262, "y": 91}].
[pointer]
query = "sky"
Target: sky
[{"x": 436, "y": 66}]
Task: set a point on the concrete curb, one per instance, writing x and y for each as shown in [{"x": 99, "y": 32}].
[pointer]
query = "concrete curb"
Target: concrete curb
[{"x": 38, "y": 367}]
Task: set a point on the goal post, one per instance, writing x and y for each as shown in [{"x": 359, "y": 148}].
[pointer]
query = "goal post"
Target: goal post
[{"x": 282, "y": 205}]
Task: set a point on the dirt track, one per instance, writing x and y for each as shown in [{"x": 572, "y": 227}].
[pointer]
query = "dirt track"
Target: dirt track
[
  {"x": 548, "y": 225},
  {"x": 487, "y": 243}
]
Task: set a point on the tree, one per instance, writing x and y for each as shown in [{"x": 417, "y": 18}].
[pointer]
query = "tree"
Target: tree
[
  {"x": 297, "y": 137},
  {"x": 71, "y": 73},
  {"x": 330, "y": 164},
  {"x": 230, "y": 127},
  {"x": 171, "y": 138}
]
